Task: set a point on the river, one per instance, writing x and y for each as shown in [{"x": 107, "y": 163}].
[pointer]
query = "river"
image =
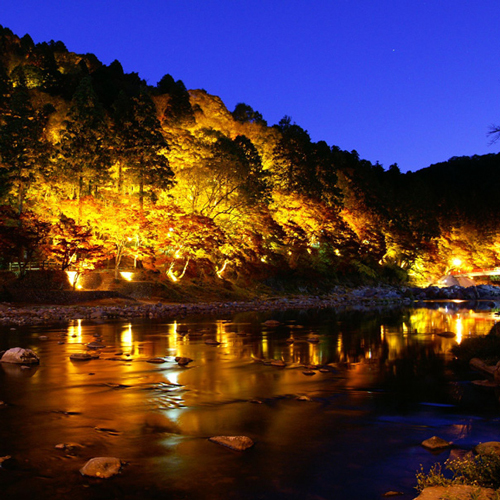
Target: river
[{"x": 351, "y": 431}]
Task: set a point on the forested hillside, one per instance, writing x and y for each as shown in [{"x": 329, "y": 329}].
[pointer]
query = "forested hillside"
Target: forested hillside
[{"x": 100, "y": 169}]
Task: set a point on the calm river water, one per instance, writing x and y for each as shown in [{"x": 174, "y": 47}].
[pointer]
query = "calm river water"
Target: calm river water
[{"x": 357, "y": 435}]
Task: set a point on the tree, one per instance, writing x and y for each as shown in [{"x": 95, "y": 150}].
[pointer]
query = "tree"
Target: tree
[
  {"x": 83, "y": 148},
  {"x": 228, "y": 181},
  {"x": 292, "y": 167},
  {"x": 179, "y": 238},
  {"x": 5, "y": 89},
  {"x": 494, "y": 133},
  {"x": 72, "y": 245},
  {"x": 245, "y": 114},
  {"x": 178, "y": 109},
  {"x": 118, "y": 225},
  {"x": 23, "y": 237},
  {"x": 141, "y": 150},
  {"x": 24, "y": 149}
]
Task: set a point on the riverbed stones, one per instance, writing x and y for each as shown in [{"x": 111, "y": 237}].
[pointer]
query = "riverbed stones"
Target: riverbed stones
[
  {"x": 101, "y": 467},
  {"x": 435, "y": 443},
  {"x": 238, "y": 443},
  {"x": 361, "y": 298},
  {"x": 20, "y": 356}
]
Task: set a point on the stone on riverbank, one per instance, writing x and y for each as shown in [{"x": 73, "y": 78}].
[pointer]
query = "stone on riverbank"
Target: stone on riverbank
[
  {"x": 101, "y": 467},
  {"x": 238, "y": 443},
  {"x": 20, "y": 356}
]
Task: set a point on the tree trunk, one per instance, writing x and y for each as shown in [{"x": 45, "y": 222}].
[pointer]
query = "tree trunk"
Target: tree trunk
[
  {"x": 141, "y": 192},
  {"x": 20, "y": 198},
  {"x": 79, "y": 197},
  {"x": 118, "y": 259},
  {"x": 120, "y": 178}
]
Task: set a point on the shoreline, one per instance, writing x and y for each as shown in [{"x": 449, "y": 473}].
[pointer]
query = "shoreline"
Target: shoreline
[{"x": 340, "y": 298}]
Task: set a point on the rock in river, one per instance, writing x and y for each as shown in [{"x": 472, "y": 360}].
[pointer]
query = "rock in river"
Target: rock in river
[
  {"x": 313, "y": 339},
  {"x": 183, "y": 361},
  {"x": 157, "y": 361},
  {"x": 20, "y": 356},
  {"x": 272, "y": 323},
  {"x": 102, "y": 467},
  {"x": 95, "y": 345},
  {"x": 435, "y": 443},
  {"x": 212, "y": 342},
  {"x": 80, "y": 356},
  {"x": 238, "y": 443}
]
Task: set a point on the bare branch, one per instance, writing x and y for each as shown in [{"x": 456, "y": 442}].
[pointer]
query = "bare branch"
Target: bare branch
[{"x": 494, "y": 133}]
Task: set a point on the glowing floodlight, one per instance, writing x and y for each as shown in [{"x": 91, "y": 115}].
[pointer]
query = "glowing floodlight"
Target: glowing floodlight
[
  {"x": 73, "y": 278},
  {"x": 126, "y": 275},
  {"x": 457, "y": 262}
]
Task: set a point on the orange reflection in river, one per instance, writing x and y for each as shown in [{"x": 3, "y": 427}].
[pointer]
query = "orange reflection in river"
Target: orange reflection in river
[{"x": 122, "y": 405}]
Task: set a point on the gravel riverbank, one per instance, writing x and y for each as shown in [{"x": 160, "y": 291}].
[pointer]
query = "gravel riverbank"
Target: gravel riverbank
[{"x": 118, "y": 306}]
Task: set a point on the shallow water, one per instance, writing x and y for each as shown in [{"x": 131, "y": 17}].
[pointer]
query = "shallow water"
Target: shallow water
[{"x": 388, "y": 387}]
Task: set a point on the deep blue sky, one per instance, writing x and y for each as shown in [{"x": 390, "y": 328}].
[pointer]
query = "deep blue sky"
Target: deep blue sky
[{"x": 408, "y": 82}]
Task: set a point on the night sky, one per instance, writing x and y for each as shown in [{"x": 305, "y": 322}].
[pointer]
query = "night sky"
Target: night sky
[{"x": 412, "y": 83}]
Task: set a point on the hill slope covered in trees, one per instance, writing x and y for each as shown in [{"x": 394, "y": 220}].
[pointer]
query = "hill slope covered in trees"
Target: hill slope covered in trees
[{"x": 100, "y": 169}]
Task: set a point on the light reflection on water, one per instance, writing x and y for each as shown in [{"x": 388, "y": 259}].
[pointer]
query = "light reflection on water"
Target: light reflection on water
[{"x": 383, "y": 390}]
